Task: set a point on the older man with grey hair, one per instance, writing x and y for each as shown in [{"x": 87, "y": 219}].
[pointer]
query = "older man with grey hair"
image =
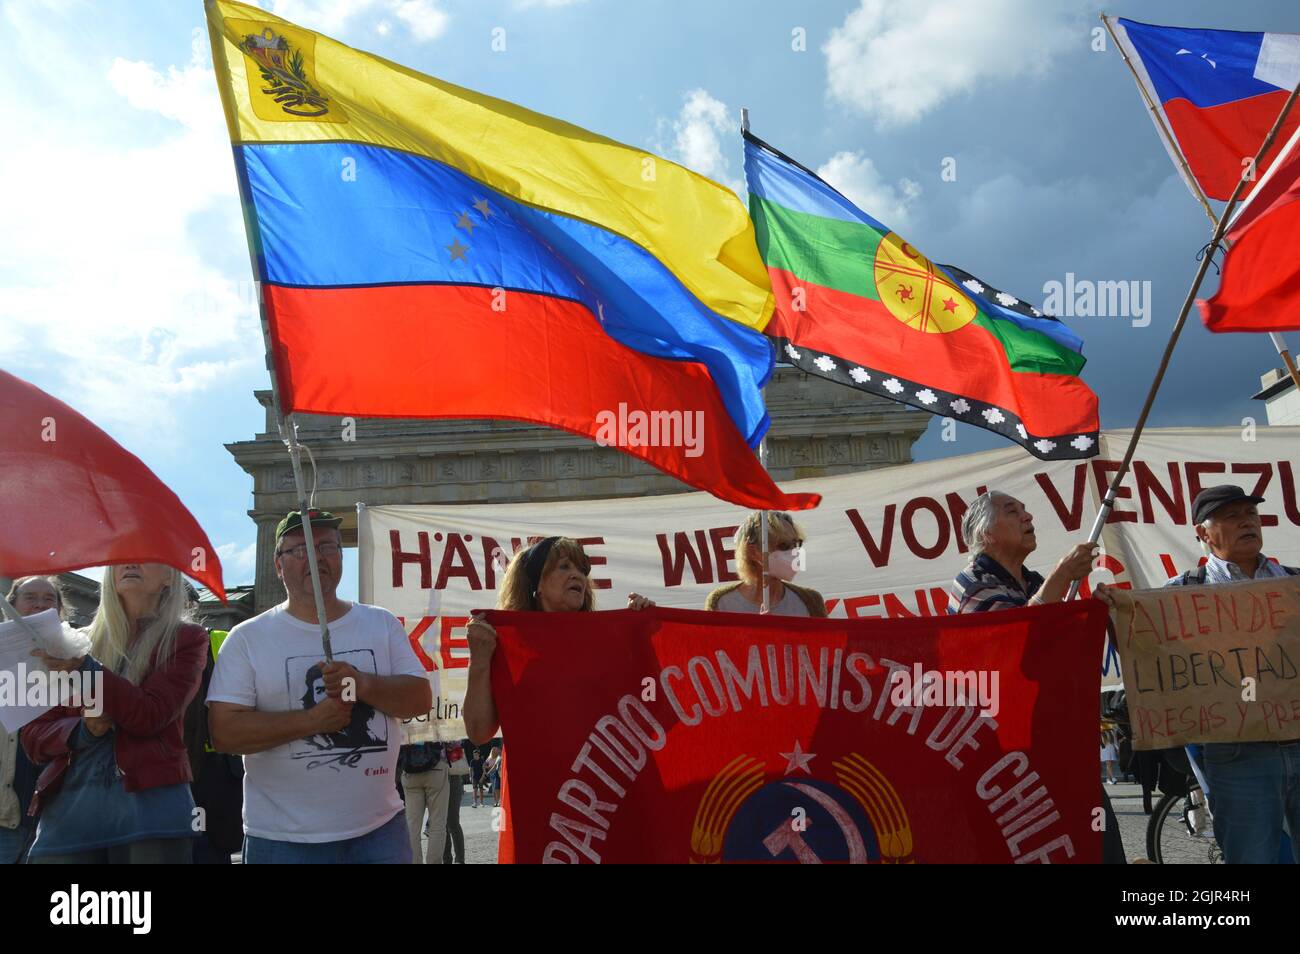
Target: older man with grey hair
[
  {"x": 1252, "y": 787},
  {"x": 1000, "y": 534}
]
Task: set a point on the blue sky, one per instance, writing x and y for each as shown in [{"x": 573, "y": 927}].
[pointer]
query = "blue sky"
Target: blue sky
[{"x": 125, "y": 287}]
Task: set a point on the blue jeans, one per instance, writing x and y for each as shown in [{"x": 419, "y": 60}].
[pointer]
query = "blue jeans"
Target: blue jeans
[
  {"x": 14, "y": 840},
  {"x": 386, "y": 845},
  {"x": 1252, "y": 787}
]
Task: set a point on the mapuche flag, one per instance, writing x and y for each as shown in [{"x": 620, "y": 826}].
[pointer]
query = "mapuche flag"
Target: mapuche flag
[
  {"x": 428, "y": 251},
  {"x": 1260, "y": 287},
  {"x": 681, "y": 736},
  {"x": 1216, "y": 92},
  {"x": 72, "y": 497},
  {"x": 857, "y": 304}
]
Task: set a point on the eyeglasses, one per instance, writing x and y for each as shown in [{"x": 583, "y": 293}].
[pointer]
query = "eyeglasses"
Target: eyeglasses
[{"x": 300, "y": 551}]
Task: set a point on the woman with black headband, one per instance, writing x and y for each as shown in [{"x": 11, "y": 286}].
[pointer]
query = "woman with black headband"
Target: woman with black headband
[{"x": 551, "y": 576}]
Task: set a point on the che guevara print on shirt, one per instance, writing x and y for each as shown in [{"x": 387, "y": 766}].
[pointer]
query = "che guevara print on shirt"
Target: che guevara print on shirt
[{"x": 368, "y": 730}]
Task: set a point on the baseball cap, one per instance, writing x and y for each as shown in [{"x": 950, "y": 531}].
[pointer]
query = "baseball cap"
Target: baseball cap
[{"x": 293, "y": 521}]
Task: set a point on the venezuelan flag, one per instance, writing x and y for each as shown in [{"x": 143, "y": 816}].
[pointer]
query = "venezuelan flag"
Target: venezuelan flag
[{"x": 428, "y": 251}]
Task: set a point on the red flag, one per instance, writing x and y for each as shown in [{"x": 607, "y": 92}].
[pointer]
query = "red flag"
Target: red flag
[
  {"x": 71, "y": 497},
  {"x": 1260, "y": 288},
  {"x": 675, "y": 735},
  {"x": 545, "y": 361}
]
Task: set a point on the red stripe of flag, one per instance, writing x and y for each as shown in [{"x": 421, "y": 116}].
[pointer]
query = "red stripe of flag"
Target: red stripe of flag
[{"x": 446, "y": 353}]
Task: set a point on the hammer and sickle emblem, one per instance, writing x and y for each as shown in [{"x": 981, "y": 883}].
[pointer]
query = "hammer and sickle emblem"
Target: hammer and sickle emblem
[{"x": 784, "y": 836}]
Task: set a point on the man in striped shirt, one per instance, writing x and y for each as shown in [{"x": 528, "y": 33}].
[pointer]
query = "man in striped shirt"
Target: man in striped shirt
[{"x": 1000, "y": 534}]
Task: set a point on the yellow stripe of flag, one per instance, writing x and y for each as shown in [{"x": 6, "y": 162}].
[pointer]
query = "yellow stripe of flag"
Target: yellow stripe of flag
[{"x": 282, "y": 83}]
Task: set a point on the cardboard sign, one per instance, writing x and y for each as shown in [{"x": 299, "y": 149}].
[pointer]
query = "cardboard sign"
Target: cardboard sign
[{"x": 1211, "y": 663}]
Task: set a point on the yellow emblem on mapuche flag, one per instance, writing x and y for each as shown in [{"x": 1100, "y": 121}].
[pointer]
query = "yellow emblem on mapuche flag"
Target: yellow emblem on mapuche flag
[{"x": 916, "y": 293}]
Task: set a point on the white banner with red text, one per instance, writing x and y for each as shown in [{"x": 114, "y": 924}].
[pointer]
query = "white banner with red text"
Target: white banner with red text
[{"x": 883, "y": 543}]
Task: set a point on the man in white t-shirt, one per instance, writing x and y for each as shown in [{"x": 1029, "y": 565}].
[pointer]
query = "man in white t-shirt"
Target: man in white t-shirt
[{"x": 320, "y": 740}]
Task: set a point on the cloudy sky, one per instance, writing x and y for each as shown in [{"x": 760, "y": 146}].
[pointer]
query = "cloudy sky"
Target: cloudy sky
[{"x": 125, "y": 287}]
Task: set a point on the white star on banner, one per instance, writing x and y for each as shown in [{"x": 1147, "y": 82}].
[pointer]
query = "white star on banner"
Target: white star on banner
[{"x": 798, "y": 759}]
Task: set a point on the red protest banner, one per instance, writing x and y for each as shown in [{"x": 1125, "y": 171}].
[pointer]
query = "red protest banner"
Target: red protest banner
[{"x": 681, "y": 736}]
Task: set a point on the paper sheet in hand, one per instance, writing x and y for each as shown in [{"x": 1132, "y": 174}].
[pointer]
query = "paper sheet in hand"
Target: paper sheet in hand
[{"x": 17, "y": 663}]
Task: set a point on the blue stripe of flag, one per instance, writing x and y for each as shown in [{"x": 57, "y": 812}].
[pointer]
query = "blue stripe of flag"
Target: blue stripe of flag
[{"x": 340, "y": 214}]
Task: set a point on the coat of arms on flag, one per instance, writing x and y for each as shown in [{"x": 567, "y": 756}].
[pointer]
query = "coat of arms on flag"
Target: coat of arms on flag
[{"x": 282, "y": 86}]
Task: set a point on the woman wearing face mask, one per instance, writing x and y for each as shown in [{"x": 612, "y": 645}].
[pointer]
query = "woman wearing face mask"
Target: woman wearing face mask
[
  {"x": 785, "y": 558},
  {"x": 115, "y": 789},
  {"x": 551, "y": 576},
  {"x": 29, "y": 595}
]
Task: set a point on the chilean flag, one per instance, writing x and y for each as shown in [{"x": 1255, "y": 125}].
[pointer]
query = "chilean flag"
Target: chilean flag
[
  {"x": 1260, "y": 288},
  {"x": 1217, "y": 92}
]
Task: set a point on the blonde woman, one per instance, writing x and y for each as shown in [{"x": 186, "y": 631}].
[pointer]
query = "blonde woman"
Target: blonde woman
[
  {"x": 115, "y": 789},
  {"x": 551, "y": 576},
  {"x": 785, "y": 558}
]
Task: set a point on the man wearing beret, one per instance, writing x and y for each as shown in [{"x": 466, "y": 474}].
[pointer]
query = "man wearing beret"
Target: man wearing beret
[
  {"x": 319, "y": 761},
  {"x": 1251, "y": 786}
]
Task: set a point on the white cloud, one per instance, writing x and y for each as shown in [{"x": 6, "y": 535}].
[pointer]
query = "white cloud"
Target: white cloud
[
  {"x": 238, "y": 563},
  {"x": 424, "y": 20},
  {"x": 855, "y": 175},
  {"x": 895, "y": 61},
  {"x": 697, "y": 138},
  {"x": 127, "y": 177}
]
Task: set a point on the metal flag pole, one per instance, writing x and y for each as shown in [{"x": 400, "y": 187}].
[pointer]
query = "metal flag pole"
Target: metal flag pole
[
  {"x": 1170, "y": 143},
  {"x": 289, "y": 433},
  {"x": 288, "y": 429},
  {"x": 1220, "y": 226},
  {"x": 762, "y": 457}
]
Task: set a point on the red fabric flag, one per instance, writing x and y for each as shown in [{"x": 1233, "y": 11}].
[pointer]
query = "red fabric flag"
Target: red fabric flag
[
  {"x": 1260, "y": 288},
  {"x": 682, "y": 736},
  {"x": 546, "y": 361},
  {"x": 71, "y": 497}
]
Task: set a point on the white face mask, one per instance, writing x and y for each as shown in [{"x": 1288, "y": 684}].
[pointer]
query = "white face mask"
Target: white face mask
[{"x": 784, "y": 564}]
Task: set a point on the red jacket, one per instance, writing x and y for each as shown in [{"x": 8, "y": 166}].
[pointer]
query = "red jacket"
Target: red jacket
[{"x": 147, "y": 723}]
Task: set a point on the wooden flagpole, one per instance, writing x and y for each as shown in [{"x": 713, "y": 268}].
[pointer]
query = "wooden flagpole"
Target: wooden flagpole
[{"x": 1220, "y": 226}]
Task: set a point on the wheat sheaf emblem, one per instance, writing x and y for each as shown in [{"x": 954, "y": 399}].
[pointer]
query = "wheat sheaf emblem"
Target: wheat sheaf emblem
[{"x": 284, "y": 71}]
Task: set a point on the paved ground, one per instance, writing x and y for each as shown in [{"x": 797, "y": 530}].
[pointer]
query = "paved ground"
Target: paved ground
[
  {"x": 480, "y": 839},
  {"x": 1126, "y": 799},
  {"x": 476, "y": 823}
]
